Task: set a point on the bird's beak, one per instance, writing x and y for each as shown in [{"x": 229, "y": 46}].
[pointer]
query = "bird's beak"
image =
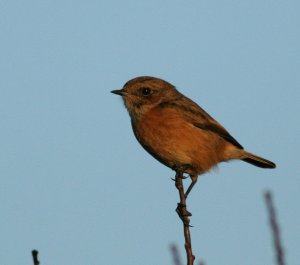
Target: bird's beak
[{"x": 119, "y": 92}]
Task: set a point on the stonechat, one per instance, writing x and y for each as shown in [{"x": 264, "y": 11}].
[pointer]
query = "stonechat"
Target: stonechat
[{"x": 178, "y": 132}]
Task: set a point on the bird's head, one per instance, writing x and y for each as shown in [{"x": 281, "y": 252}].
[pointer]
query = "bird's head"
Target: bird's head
[{"x": 144, "y": 93}]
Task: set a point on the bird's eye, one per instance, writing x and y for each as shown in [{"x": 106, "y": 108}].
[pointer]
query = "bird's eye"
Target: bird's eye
[{"x": 146, "y": 91}]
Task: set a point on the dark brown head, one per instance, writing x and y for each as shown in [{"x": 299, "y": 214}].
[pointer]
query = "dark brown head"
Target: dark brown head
[{"x": 145, "y": 92}]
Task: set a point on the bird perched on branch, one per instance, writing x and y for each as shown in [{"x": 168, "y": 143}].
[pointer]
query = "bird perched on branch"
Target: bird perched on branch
[{"x": 177, "y": 131}]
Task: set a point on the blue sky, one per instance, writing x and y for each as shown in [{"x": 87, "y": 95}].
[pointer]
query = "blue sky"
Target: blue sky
[{"x": 77, "y": 186}]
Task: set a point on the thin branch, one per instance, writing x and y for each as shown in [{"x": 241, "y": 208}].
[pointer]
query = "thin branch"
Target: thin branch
[
  {"x": 184, "y": 216},
  {"x": 175, "y": 254},
  {"x": 35, "y": 257},
  {"x": 275, "y": 229}
]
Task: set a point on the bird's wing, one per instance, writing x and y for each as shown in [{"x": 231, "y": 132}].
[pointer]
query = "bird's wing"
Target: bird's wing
[{"x": 197, "y": 116}]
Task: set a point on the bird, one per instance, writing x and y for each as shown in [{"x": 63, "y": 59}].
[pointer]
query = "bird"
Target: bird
[{"x": 177, "y": 131}]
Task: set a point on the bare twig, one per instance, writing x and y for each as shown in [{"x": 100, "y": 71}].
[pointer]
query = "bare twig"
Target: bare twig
[
  {"x": 175, "y": 254},
  {"x": 275, "y": 229},
  {"x": 184, "y": 216},
  {"x": 35, "y": 257}
]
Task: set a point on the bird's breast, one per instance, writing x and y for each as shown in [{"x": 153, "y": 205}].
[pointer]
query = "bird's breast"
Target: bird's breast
[{"x": 171, "y": 139}]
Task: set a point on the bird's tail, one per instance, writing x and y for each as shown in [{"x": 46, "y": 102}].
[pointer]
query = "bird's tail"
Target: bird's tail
[{"x": 257, "y": 161}]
